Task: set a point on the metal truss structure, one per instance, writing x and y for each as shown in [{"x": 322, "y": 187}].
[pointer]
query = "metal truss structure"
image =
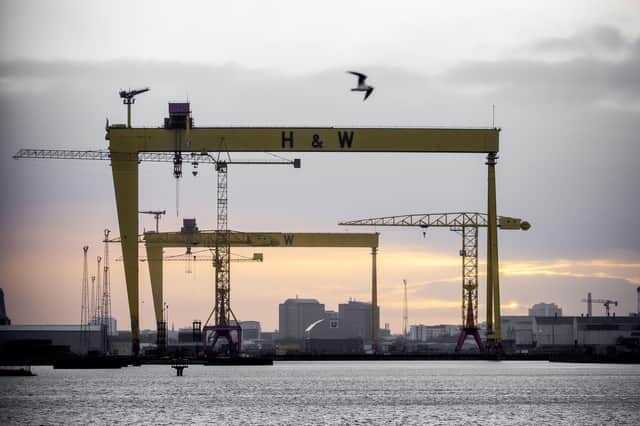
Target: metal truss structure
[
  {"x": 64, "y": 154},
  {"x": 129, "y": 146},
  {"x": 222, "y": 313},
  {"x": 466, "y": 224}
]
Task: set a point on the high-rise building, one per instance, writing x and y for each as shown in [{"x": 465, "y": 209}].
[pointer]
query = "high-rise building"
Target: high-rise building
[
  {"x": 4, "y": 319},
  {"x": 295, "y": 315},
  {"x": 545, "y": 310},
  {"x": 356, "y": 318}
]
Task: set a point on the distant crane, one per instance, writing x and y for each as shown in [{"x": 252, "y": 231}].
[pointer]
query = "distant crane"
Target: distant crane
[
  {"x": 84, "y": 309},
  {"x": 156, "y": 215},
  {"x": 405, "y": 310},
  {"x": 128, "y": 99},
  {"x": 466, "y": 224},
  {"x": 105, "y": 310},
  {"x": 96, "y": 304},
  {"x": 605, "y": 302}
]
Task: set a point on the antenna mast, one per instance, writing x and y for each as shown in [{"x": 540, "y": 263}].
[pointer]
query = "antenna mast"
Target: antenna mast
[
  {"x": 405, "y": 309},
  {"x": 84, "y": 309}
]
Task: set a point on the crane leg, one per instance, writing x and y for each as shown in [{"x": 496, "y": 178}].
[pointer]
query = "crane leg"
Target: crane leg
[
  {"x": 125, "y": 182},
  {"x": 375, "y": 324},
  {"x": 493, "y": 289},
  {"x": 154, "y": 258}
]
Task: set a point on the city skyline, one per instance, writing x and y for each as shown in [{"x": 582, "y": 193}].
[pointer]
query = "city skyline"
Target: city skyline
[{"x": 566, "y": 100}]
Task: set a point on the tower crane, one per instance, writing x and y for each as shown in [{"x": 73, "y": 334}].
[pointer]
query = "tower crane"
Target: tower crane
[
  {"x": 606, "y": 303},
  {"x": 156, "y": 215},
  {"x": 466, "y": 224}
]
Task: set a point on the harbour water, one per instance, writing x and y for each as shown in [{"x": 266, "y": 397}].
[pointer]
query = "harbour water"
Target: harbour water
[{"x": 382, "y": 392}]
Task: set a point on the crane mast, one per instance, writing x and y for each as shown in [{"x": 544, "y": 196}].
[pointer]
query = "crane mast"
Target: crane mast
[
  {"x": 85, "y": 304},
  {"x": 405, "y": 309},
  {"x": 106, "y": 319},
  {"x": 97, "y": 302}
]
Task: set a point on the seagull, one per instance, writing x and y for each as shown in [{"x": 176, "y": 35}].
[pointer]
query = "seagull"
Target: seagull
[{"x": 362, "y": 87}]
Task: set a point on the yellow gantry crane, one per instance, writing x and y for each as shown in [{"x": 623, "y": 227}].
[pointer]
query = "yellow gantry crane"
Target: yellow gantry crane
[
  {"x": 191, "y": 237},
  {"x": 128, "y": 146},
  {"x": 466, "y": 224}
]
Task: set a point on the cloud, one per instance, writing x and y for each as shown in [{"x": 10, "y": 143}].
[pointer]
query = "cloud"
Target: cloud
[
  {"x": 594, "y": 39},
  {"x": 596, "y": 268},
  {"x": 575, "y": 80}
]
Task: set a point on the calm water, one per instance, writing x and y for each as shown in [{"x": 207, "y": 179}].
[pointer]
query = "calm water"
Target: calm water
[{"x": 330, "y": 392}]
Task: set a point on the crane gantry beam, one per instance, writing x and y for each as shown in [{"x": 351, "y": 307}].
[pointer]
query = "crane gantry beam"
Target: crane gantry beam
[
  {"x": 466, "y": 224},
  {"x": 303, "y": 139}
]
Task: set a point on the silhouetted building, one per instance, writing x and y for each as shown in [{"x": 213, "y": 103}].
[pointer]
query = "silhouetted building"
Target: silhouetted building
[
  {"x": 554, "y": 333},
  {"x": 545, "y": 310},
  {"x": 295, "y": 315},
  {"x": 185, "y": 335},
  {"x": 355, "y": 319},
  {"x": 329, "y": 336},
  {"x": 4, "y": 319},
  {"x": 57, "y": 335}
]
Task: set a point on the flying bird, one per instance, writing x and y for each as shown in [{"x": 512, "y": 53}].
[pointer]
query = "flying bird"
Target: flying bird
[{"x": 362, "y": 87}]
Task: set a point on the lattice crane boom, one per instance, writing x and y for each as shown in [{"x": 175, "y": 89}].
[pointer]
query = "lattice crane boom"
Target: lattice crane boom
[
  {"x": 445, "y": 220},
  {"x": 104, "y": 155}
]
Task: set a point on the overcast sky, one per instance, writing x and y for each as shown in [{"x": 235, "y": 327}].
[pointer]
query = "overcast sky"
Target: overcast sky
[{"x": 565, "y": 79}]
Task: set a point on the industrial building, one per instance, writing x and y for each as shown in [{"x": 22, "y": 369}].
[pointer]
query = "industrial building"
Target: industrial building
[
  {"x": 545, "y": 310},
  {"x": 305, "y": 325},
  {"x": 355, "y": 319},
  {"x": 560, "y": 333},
  {"x": 295, "y": 315},
  {"x": 429, "y": 333},
  {"x": 77, "y": 339},
  {"x": 332, "y": 336}
]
